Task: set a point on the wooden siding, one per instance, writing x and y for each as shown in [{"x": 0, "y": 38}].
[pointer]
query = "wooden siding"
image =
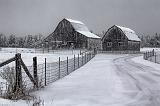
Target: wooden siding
[
  {"x": 65, "y": 36},
  {"x": 116, "y": 40}
]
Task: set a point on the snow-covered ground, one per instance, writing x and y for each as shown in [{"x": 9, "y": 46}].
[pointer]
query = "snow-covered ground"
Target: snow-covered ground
[
  {"x": 28, "y": 54},
  {"x": 140, "y": 60},
  {"x": 107, "y": 80}
]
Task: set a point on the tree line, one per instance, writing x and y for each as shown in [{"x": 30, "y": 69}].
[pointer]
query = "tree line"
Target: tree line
[
  {"x": 150, "y": 40},
  {"x": 20, "y": 42},
  {"x": 29, "y": 40}
]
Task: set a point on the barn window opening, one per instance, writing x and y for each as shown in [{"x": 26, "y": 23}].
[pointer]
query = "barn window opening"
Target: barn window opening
[
  {"x": 109, "y": 44},
  {"x": 120, "y": 43}
]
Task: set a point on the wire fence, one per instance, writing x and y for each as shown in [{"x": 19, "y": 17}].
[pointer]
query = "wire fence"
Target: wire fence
[
  {"x": 152, "y": 56},
  {"x": 47, "y": 72},
  {"x": 50, "y": 72},
  {"x": 120, "y": 52}
]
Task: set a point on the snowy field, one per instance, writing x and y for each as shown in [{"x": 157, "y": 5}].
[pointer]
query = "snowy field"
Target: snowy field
[
  {"x": 107, "y": 80},
  {"x": 28, "y": 54}
]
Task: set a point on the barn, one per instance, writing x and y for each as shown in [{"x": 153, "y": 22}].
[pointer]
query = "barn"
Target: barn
[
  {"x": 119, "y": 38},
  {"x": 72, "y": 34}
]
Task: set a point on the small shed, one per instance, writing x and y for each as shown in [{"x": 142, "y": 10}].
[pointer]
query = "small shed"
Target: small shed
[
  {"x": 119, "y": 38},
  {"x": 72, "y": 34}
]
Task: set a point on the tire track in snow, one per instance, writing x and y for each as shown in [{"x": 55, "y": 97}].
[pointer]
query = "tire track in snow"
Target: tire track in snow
[{"x": 142, "y": 78}]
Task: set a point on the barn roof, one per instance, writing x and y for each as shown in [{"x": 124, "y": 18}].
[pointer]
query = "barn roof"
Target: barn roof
[
  {"x": 131, "y": 35},
  {"x": 81, "y": 28}
]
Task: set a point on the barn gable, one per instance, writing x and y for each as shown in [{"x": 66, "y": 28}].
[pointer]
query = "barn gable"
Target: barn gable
[
  {"x": 129, "y": 33},
  {"x": 70, "y": 33},
  {"x": 82, "y": 28},
  {"x": 120, "y": 38}
]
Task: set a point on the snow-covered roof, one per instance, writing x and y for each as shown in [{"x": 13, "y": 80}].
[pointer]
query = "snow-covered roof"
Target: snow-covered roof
[
  {"x": 74, "y": 21},
  {"x": 131, "y": 35},
  {"x": 81, "y": 28}
]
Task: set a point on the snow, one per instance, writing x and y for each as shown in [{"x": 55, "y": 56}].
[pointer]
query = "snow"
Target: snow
[
  {"x": 28, "y": 54},
  {"x": 88, "y": 34},
  {"x": 106, "y": 80},
  {"x": 140, "y": 60},
  {"x": 74, "y": 21},
  {"x": 131, "y": 35},
  {"x": 125, "y": 29},
  {"x": 95, "y": 84},
  {"x": 82, "y": 29}
]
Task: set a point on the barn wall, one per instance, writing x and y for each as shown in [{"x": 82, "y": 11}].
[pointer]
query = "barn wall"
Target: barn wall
[
  {"x": 94, "y": 43},
  {"x": 65, "y": 36}
]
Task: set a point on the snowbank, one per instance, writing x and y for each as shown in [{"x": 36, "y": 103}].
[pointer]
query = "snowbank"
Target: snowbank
[{"x": 140, "y": 60}]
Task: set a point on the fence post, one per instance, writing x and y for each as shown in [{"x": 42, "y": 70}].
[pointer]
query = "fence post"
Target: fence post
[
  {"x": 59, "y": 73},
  {"x": 74, "y": 62},
  {"x": 78, "y": 60},
  {"x": 144, "y": 56},
  {"x": 85, "y": 57},
  {"x": 82, "y": 59},
  {"x": 155, "y": 58},
  {"x": 18, "y": 85},
  {"x": 67, "y": 66},
  {"x": 45, "y": 64},
  {"x": 35, "y": 70}
]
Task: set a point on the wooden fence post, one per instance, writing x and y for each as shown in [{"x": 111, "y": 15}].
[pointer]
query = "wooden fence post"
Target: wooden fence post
[
  {"x": 74, "y": 63},
  {"x": 155, "y": 58},
  {"x": 59, "y": 73},
  {"x": 67, "y": 66},
  {"x": 82, "y": 59},
  {"x": 85, "y": 57},
  {"x": 78, "y": 60},
  {"x": 45, "y": 69},
  {"x": 35, "y": 70},
  {"x": 18, "y": 85}
]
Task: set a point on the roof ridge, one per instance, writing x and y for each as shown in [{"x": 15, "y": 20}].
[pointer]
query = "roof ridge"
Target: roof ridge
[{"x": 74, "y": 21}]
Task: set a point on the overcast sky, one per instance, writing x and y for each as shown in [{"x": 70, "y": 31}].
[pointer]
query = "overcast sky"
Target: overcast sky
[{"x": 22, "y": 17}]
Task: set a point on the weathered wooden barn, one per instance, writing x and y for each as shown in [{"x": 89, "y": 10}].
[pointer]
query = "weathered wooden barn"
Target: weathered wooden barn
[
  {"x": 72, "y": 34},
  {"x": 119, "y": 38}
]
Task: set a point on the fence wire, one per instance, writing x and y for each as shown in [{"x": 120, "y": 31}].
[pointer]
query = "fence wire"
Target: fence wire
[
  {"x": 152, "y": 56},
  {"x": 47, "y": 72}
]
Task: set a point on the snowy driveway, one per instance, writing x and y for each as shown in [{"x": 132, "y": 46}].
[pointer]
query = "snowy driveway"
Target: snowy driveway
[
  {"x": 95, "y": 84},
  {"x": 141, "y": 83}
]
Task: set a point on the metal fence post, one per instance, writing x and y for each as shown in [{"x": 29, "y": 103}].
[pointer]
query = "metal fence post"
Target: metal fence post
[
  {"x": 67, "y": 66},
  {"x": 45, "y": 69},
  {"x": 35, "y": 69},
  {"x": 59, "y": 73}
]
